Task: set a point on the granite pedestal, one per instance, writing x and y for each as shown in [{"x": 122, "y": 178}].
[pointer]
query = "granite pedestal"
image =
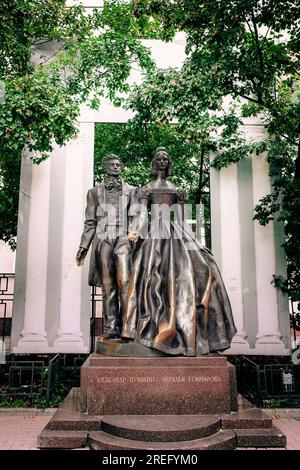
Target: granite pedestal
[
  {"x": 157, "y": 385},
  {"x": 156, "y": 402}
]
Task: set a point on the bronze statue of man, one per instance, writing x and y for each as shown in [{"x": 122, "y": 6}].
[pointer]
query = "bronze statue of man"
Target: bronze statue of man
[{"x": 106, "y": 228}]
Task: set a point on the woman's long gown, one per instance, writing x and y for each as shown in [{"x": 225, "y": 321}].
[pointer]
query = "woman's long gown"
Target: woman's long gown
[{"x": 177, "y": 302}]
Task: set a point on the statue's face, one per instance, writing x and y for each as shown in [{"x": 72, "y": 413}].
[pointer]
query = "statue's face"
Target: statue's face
[
  {"x": 162, "y": 161},
  {"x": 113, "y": 167}
]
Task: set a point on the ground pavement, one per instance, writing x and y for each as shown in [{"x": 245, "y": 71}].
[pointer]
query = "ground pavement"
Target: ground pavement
[{"x": 19, "y": 429}]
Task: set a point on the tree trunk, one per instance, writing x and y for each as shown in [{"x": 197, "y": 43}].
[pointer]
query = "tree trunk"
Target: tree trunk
[{"x": 200, "y": 185}]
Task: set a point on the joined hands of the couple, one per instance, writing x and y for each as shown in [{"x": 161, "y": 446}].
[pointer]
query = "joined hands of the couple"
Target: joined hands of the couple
[{"x": 134, "y": 236}]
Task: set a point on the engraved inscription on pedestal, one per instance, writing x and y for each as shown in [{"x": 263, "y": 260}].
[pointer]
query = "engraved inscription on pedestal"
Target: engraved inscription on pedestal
[
  {"x": 157, "y": 385},
  {"x": 174, "y": 379}
]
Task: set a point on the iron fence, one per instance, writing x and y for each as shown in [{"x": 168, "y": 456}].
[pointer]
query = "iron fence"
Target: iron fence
[
  {"x": 262, "y": 382},
  {"x": 6, "y": 304},
  {"x": 40, "y": 378},
  {"x": 96, "y": 323}
]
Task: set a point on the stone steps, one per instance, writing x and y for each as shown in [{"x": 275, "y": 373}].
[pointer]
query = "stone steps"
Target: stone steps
[
  {"x": 161, "y": 428},
  {"x": 71, "y": 429},
  {"x": 74, "y": 423},
  {"x": 222, "y": 440},
  {"x": 260, "y": 437},
  {"x": 54, "y": 439},
  {"x": 252, "y": 418}
]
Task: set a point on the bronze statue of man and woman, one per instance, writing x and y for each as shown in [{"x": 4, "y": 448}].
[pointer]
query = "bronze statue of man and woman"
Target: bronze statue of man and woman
[{"x": 161, "y": 288}]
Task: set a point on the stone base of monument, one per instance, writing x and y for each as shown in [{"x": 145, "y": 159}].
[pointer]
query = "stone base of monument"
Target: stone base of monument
[
  {"x": 157, "y": 385},
  {"x": 71, "y": 429},
  {"x": 157, "y": 403}
]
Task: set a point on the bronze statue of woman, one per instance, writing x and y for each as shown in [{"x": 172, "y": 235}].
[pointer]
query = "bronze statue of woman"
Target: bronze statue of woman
[{"x": 177, "y": 302}]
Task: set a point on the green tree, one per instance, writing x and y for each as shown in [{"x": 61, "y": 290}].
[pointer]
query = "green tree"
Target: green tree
[
  {"x": 136, "y": 146},
  {"x": 249, "y": 50},
  {"x": 92, "y": 58}
]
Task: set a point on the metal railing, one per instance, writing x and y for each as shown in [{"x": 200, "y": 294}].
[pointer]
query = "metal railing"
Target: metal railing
[
  {"x": 20, "y": 378},
  {"x": 263, "y": 382},
  {"x": 96, "y": 300},
  {"x": 6, "y": 304},
  {"x": 42, "y": 378},
  {"x": 52, "y": 370}
]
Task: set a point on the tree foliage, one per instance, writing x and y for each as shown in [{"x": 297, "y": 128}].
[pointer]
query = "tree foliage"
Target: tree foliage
[
  {"x": 92, "y": 58},
  {"x": 248, "y": 50},
  {"x": 136, "y": 144}
]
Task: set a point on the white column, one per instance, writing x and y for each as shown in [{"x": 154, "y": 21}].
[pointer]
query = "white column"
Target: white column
[
  {"x": 33, "y": 336},
  {"x": 231, "y": 253},
  {"x": 69, "y": 336},
  {"x": 268, "y": 335}
]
